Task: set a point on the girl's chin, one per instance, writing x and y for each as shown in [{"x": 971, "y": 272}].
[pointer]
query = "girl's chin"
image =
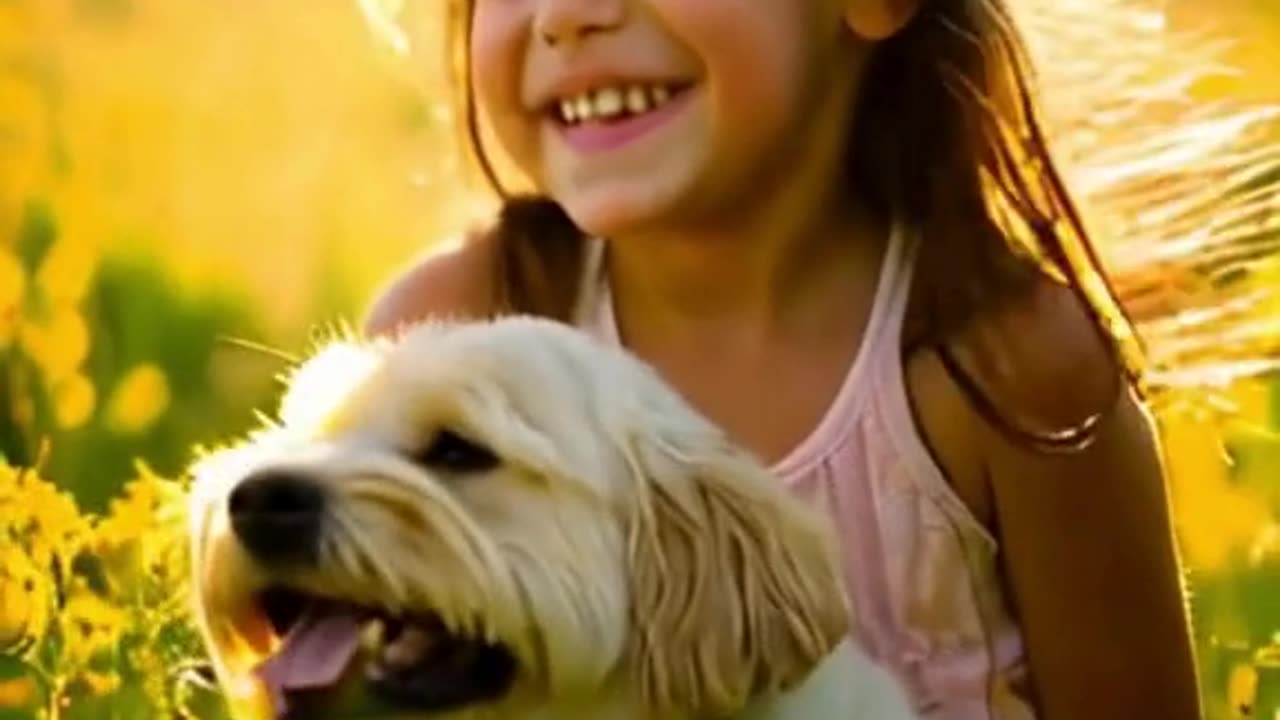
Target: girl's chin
[
  {"x": 615, "y": 213},
  {"x": 610, "y": 221},
  {"x": 611, "y": 197}
]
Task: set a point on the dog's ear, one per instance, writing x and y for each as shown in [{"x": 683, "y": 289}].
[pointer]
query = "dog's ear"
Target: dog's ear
[{"x": 735, "y": 584}]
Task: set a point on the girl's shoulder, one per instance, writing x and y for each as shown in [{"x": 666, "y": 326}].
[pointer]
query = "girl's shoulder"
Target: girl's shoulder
[
  {"x": 525, "y": 260},
  {"x": 1041, "y": 359},
  {"x": 452, "y": 279},
  {"x": 1038, "y": 364}
]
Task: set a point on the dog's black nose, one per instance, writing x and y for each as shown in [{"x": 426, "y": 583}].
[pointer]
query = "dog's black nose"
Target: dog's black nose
[{"x": 277, "y": 515}]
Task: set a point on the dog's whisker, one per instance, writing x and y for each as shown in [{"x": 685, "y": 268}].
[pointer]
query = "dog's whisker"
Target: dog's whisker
[
  {"x": 369, "y": 576},
  {"x": 360, "y": 551},
  {"x": 459, "y": 534},
  {"x": 258, "y": 347}
]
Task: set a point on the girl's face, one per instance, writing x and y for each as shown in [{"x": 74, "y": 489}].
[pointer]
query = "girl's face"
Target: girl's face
[{"x": 636, "y": 113}]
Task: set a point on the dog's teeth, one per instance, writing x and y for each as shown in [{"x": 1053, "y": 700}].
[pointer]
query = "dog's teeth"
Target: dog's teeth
[
  {"x": 373, "y": 634},
  {"x": 412, "y": 643}
]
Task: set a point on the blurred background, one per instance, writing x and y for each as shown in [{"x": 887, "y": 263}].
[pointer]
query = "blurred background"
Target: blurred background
[{"x": 174, "y": 173}]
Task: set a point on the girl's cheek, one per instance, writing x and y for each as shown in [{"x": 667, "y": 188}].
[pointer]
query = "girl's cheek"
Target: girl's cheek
[
  {"x": 495, "y": 56},
  {"x": 499, "y": 39}
]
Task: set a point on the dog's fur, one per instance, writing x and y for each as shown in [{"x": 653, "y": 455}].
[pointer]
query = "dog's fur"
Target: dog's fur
[{"x": 638, "y": 564}]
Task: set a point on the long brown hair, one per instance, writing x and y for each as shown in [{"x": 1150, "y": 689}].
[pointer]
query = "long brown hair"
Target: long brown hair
[{"x": 947, "y": 138}]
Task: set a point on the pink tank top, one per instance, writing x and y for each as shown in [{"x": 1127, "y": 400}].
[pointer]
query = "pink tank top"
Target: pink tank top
[{"x": 921, "y": 570}]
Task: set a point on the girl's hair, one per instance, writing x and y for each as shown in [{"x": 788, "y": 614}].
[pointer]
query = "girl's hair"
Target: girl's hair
[{"x": 946, "y": 138}]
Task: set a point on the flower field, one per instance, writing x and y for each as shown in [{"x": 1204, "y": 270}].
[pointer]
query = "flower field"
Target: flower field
[{"x": 186, "y": 185}]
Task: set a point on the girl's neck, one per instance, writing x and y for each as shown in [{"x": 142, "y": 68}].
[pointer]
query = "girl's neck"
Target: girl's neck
[{"x": 767, "y": 277}]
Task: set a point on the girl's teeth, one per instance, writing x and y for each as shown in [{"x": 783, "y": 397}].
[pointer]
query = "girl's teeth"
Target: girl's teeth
[
  {"x": 637, "y": 100},
  {"x": 608, "y": 103},
  {"x": 569, "y": 111},
  {"x": 583, "y": 108}
]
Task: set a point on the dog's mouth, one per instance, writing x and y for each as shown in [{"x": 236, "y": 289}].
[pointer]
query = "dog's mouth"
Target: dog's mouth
[{"x": 412, "y": 661}]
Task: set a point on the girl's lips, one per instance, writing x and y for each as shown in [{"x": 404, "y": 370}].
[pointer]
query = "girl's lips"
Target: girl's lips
[{"x": 593, "y": 136}]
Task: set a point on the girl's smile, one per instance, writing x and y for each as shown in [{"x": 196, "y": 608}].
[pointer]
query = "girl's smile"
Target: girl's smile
[
  {"x": 659, "y": 114},
  {"x": 616, "y": 112}
]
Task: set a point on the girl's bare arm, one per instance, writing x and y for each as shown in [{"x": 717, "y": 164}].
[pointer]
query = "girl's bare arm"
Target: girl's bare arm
[
  {"x": 1086, "y": 538},
  {"x": 1090, "y": 556}
]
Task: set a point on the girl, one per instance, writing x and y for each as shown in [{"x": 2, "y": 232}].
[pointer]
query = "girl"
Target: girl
[{"x": 834, "y": 225}]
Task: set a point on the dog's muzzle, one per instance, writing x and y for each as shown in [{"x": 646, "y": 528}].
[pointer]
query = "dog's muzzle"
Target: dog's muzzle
[{"x": 409, "y": 659}]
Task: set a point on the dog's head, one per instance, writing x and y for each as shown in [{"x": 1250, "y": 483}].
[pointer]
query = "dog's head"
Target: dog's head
[{"x": 503, "y": 514}]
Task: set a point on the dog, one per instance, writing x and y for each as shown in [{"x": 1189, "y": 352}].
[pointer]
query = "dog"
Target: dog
[{"x": 506, "y": 520}]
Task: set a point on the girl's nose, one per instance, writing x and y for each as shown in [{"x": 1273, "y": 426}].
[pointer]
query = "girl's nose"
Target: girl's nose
[{"x": 566, "y": 22}]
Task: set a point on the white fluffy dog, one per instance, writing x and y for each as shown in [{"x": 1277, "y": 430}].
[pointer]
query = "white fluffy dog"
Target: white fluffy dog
[{"x": 508, "y": 520}]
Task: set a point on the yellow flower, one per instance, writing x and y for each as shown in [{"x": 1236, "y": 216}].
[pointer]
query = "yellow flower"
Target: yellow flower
[
  {"x": 58, "y": 344},
  {"x": 138, "y": 400},
  {"x": 148, "y": 501},
  {"x": 24, "y": 597},
  {"x": 9, "y": 480},
  {"x": 89, "y": 625},
  {"x": 1242, "y": 686},
  {"x": 100, "y": 683},
  {"x": 45, "y": 516},
  {"x": 66, "y": 271},
  {"x": 143, "y": 538},
  {"x": 73, "y": 400}
]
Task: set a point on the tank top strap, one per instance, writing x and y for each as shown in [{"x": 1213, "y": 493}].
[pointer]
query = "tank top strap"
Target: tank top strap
[
  {"x": 593, "y": 309},
  {"x": 878, "y": 348},
  {"x": 889, "y": 384},
  {"x": 896, "y": 278}
]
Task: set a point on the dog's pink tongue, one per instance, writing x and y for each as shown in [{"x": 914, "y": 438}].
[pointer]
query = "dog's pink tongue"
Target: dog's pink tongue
[{"x": 314, "y": 654}]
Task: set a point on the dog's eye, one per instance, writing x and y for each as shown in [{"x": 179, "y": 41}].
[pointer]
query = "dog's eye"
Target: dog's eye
[{"x": 451, "y": 452}]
